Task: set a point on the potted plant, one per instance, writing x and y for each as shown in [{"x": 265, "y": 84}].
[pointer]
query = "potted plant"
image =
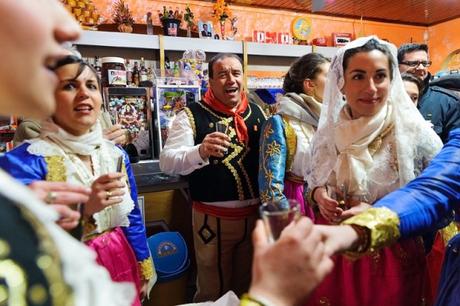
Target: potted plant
[
  {"x": 221, "y": 13},
  {"x": 170, "y": 20},
  {"x": 122, "y": 17},
  {"x": 189, "y": 19}
]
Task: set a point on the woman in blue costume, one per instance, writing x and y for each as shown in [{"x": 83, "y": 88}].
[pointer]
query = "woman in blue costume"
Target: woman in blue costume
[
  {"x": 72, "y": 148},
  {"x": 286, "y": 136},
  {"x": 425, "y": 204}
]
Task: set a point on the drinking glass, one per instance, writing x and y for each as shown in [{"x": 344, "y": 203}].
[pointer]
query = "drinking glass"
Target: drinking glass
[
  {"x": 276, "y": 215},
  {"x": 222, "y": 127}
]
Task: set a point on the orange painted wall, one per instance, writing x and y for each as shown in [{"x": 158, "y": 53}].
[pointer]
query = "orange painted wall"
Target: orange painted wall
[
  {"x": 443, "y": 40},
  {"x": 270, "y": 20}
]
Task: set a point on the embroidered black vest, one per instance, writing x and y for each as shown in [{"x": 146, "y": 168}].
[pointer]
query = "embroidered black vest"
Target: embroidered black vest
[
  {"x": 233, "y": 177},
  {"x": 30, "y": 262}
]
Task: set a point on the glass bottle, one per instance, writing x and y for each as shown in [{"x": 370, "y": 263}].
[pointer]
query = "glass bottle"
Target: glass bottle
[
  {"x": 129, "y": 73},
  {"x": 143, "y": 71},
  {"x": 136, "y": 74},
  {"x": 97, "y": 66}
]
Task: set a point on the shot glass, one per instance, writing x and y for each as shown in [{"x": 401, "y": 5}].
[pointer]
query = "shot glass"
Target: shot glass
[
  {"x": 276, "y": 215},
  {"x": 222, "y": 127}
]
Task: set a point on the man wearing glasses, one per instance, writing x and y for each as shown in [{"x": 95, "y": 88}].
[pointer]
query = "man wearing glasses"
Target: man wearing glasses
[{"x": 437, "y": 105}]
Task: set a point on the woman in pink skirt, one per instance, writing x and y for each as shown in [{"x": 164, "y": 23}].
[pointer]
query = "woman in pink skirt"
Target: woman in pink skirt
[
  {"x": 286, "y": 136},
  {"x": 72, "y": 148}
]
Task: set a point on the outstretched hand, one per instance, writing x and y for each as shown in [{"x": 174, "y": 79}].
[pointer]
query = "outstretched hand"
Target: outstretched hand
[
  {"x": 298, "y": 255},
  {"x": 354, "y": 210},
  {"x": 337, "y": 238}
]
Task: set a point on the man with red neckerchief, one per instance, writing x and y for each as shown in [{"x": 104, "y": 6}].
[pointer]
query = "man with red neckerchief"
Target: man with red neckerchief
[{"x": 215, "y": 143}]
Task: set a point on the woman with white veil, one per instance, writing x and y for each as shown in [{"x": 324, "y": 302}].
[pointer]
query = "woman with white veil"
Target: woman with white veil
[{"x": 371, "y": 140}]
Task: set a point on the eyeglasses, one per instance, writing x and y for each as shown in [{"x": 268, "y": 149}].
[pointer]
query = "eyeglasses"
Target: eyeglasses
[{"x": 414, "y": 64}]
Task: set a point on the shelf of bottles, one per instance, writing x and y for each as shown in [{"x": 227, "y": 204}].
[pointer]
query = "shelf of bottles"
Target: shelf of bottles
[
  {"x": 7, "y": 129},
  {"x": 166, "y": 95}
]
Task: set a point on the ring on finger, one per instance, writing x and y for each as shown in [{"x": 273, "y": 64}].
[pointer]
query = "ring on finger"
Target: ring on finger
[
  {"x": 51, "y": 197},
  {"x": 108, "y": 195}
]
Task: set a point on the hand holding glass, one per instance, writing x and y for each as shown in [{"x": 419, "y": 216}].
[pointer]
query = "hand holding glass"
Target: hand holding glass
[
  {"x": 276, "y": 215},
  {"x": 222, "y": 127}
]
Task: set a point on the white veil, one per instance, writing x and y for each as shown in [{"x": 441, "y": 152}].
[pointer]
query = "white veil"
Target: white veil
[{"x": 414, "y": 137}]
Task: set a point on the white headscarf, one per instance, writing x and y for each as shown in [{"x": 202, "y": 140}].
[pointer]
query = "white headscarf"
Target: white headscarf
[{"x": 413, "y": 136}]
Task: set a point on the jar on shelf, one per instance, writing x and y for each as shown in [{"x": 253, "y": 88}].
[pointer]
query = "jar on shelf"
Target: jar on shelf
[{"x": 113, "y": 72}]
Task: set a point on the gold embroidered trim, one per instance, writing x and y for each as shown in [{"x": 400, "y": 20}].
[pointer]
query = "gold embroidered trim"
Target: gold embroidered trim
[
  {"x": 382, "y": 223},
  {"x": 237, "y": 150},
  {"x": 261, "y": 110},
  {"x": 249, "y": 113},
  {"x": 50, "y": 263},
  {"x": 291, "y": 143},
  {"x": 294, "y": 178},
  {"x": 449, "y": 232},
  {"x": 191, "y": 119},
  {"x": 246, "y": 176},
  {"x": 273, "y": 149},
  {"x": 89, "y": 229},
  {"x": 146, "y": 268},
  {"x": 14, "y": 277},
  {"x": 210, "y": 111},
  {"x": 226, "y": 161},
  {"x": 14, "y": 293},
  {"x": 56, "y": 169}
]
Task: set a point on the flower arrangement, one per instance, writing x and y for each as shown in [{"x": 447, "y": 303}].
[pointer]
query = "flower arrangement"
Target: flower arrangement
[
  {"x": 188, "y": 17},
  {"x": 169, "y": 14},
  {"x": 122, "y": 14},
  {"x": 170, "y": 20},
  {"x": 221, "y": 11}
]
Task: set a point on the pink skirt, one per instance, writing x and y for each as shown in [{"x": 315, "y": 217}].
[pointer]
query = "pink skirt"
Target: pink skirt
[
  {"x": 395, "y": 276},
  {"x": 295, "y": 191},
  {"x": 116, "y": 255}
]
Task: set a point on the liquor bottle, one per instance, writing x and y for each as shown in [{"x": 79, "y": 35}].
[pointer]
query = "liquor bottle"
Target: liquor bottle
[
  {"x": 136, "y": 74},
  {"x": 97, "y": 66},
  {"x": 150, "y": 75},
  {"x": 129, "y": 73},
  {"x": 143, "y": 71}
]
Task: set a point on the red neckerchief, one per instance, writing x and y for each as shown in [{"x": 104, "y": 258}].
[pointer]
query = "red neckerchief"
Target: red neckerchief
[{"x": 240, "y": 125}]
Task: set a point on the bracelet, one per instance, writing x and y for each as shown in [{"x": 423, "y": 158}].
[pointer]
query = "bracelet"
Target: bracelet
[
  {"x": 247, "y": 300},
  {"x": 310, "y": 195},
  {"x": 364, "y": 239}
]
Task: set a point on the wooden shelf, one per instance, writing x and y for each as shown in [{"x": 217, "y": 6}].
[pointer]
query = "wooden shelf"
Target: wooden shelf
[
  {"x": 142, "y": 41},
  {"x": 277, "y": 50},
  {"x": 118, "y": 40}
]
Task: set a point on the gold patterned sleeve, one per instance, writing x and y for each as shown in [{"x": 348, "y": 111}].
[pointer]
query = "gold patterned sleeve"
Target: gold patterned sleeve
[
  {"x": 146, "y": 268},
  {"x": 382, "y": 223}
]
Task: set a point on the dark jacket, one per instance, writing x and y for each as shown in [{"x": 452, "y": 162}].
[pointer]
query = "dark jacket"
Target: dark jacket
[{"x": 441, "y": 107}]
